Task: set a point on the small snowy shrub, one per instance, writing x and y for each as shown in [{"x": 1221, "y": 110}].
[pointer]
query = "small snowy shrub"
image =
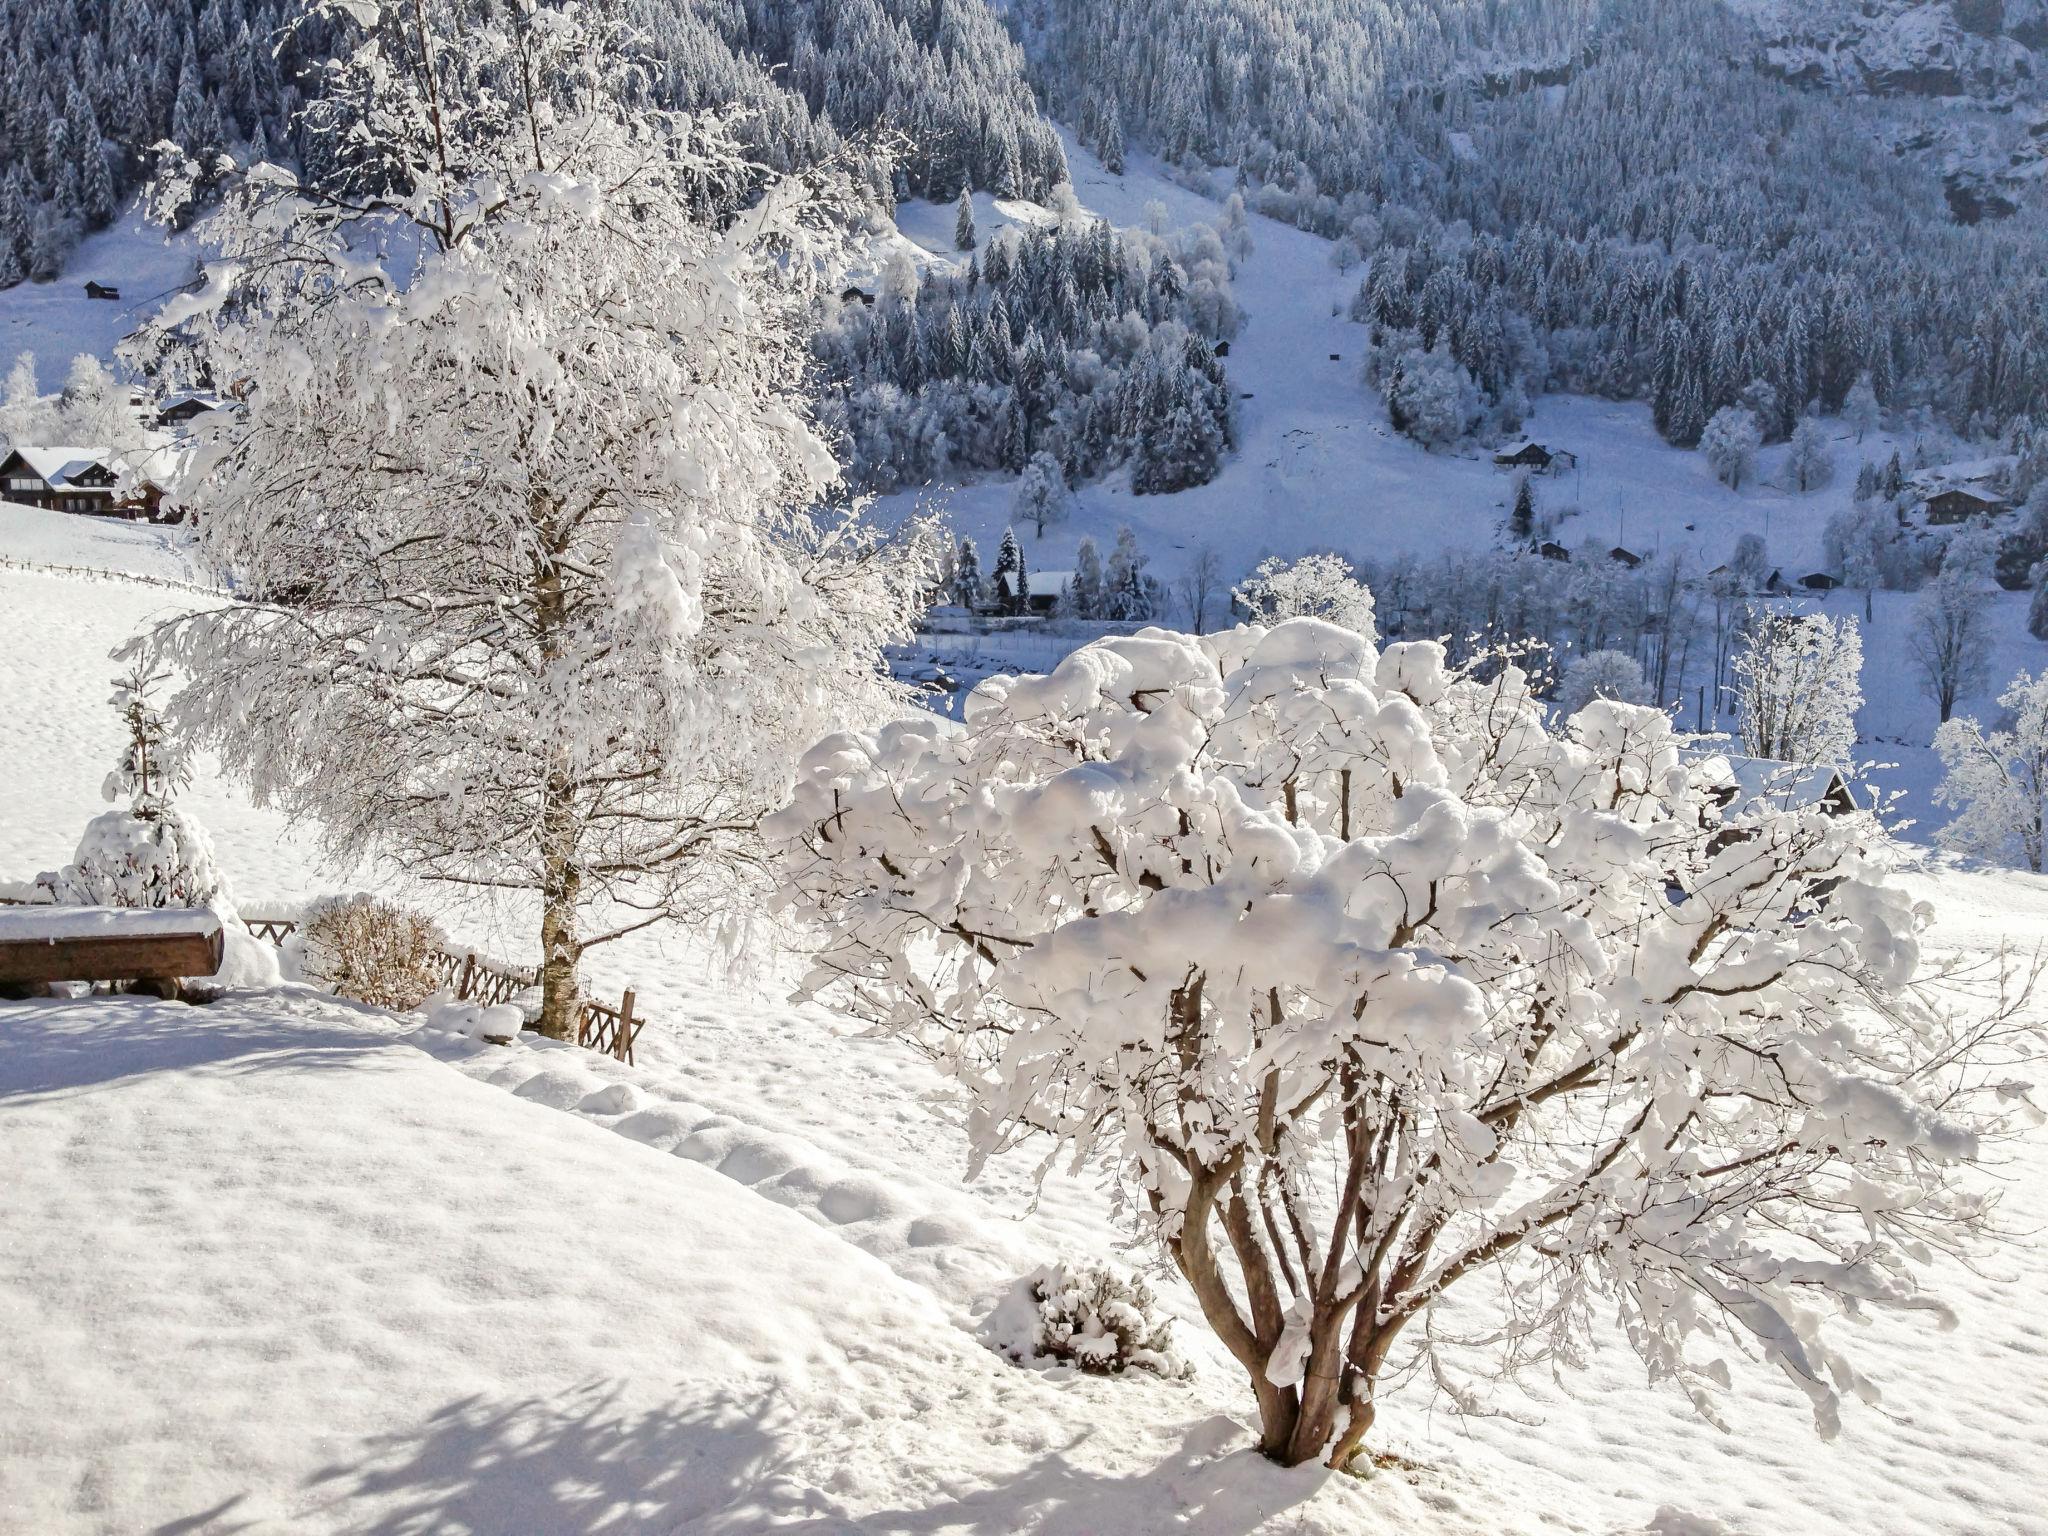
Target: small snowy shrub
[
  {"x": 1103, "y": 1321},
  {"x": 371, "y": 950}
]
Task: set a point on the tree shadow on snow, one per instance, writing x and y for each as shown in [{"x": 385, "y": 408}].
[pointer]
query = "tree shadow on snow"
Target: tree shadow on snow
[
  {"x": 49, "y": 1049},
  {"x": 731, "y": 1463}
]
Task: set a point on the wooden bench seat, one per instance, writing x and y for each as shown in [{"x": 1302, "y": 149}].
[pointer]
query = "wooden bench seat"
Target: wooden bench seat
[{"x": 155, "y": 948}]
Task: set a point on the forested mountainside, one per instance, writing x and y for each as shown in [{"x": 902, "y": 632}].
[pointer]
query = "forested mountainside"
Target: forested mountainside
[
  {"x": 89, "y": 86},
  {"x": 1542, "y": 209}
]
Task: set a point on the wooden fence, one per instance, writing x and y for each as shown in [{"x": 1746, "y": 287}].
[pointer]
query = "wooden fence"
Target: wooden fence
[{"x": 599, "y": 1027}]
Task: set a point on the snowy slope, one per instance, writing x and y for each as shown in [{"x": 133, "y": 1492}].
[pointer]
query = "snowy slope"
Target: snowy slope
[
  {"x": 56, "y": 321},
  {"x": 285, "y": 1268}
]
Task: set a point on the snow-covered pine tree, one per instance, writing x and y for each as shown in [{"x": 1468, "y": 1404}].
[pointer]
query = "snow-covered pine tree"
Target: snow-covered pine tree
[
  {"x": 1378, "y": 987},
  {"x": 1798, "y": 685},
  {"x": 544, "y": 601},
  {"x": 1009, "y": 584},
  {"x": 1522, "y": 520},
  {"x": 963, "y": 223},
  {"x": 1125, "y": 596}
]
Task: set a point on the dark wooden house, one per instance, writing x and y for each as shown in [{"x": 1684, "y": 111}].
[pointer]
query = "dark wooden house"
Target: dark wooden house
[
  {"x": 62, "y": 479},
  {"x": 101, "y": 291},
  {"x": 1959, "y": 505}
]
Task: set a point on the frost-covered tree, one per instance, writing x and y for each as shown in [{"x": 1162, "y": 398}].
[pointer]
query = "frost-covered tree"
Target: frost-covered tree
[
  {"x": 1809, "y": 462},
  {"x": 1128, "y": 594},
  {"x": 1373, "y": 988},
  {"x": 1313, "y": 587},
  {"x": 963, "y": 223},
  {"x": 1610, "y": 674},
  {"x": 24, "y": 415},
  {"x": 1949, "y": 638},
  {"x": 1522, "y": 519},
  {"x": 1860, "y": 409},
  {"x": 1084, "y": 597},
  {"x": 1798, "y": 685},
  {"x": 543, "y": 600},
  {"x": 1998, "y": 778},
  {"x": 1041, "y": 493},
  {"x": 1730, "y": 444},
  {"x": 154, "y": 853}
]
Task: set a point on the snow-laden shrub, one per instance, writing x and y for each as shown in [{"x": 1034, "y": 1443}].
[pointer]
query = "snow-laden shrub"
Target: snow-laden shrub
[
  {"x": 128, "y": 860},
  {"x": 372, "y": 950},
  {"x": 155, "y": 853},
  {"x": 1381, "y": 984},
  {"x": 494, "y": 1022},
  {"x": 1102, "y": 1320}
]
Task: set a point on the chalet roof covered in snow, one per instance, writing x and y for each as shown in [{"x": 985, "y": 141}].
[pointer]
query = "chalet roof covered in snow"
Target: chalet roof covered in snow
[{"x": 57, "y": 464}]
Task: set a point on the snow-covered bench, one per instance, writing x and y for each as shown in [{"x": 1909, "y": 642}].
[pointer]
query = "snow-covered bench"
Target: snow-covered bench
[{"x": 153, "y": 948}]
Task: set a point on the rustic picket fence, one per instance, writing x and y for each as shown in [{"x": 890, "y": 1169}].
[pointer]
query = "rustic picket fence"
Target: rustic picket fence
[{"x": 599, "y": 1026}]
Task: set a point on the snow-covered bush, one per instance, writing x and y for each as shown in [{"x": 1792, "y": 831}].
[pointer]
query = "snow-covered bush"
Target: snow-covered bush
[
  {"x": 1313, "y": 587},
  {"x": 1809, "y": 461},
  {"x": 1601, "y": 675},
  {"x": 372, "y": 950},
  {"x": 1369, "y": 982},
  {"x": 1102, "y": 1320}
]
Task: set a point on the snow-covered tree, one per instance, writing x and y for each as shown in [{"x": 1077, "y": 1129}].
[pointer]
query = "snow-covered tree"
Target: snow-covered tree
[
  {"x": 1041, "y": 493},
  {"x": 1798, "y": 685},
  {"x": 1809, "y": 462},
  {"x": 24, "y": 415},
  {"x": 1431, "y": 397},
  {"x": 1371, "y": 985},
  {"x": 1201, "y": 586},
  {"x": 1313, "y": 587},
  {"x": 1608, "y": 674},
  {"x": 1128, "y": 594},
  {"x": 154, "y": 853},
  {"x": 1730, "y": 444},
  {"x": 544, "y": 600},
  {"x": 1084, "y": 597},
  {"x": 1949, "y": 637},
  {"x": 1998, "y": 778},
  {"x": 1860, "y": 408},
  {"x": 968, "y": 590},
  {"x": 963, "y": 222}
]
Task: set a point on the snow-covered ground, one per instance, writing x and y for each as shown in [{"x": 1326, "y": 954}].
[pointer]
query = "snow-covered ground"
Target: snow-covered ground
[{"x": 283, "y": 1264}]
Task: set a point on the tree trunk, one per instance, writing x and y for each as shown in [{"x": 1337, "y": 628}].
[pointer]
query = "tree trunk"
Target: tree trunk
[{"x": 561, "y": 946}]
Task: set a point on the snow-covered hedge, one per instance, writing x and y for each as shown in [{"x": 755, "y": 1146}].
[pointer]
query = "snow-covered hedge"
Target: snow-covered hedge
[
  {"x": 1102, "y": 1320},
  {"x": 372, "y": 950}
]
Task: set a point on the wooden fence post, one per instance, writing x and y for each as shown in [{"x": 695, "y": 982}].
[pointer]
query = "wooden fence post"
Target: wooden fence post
[
  {"x": 623, "y": 1048},
  {"x": 468, "y": 974}
]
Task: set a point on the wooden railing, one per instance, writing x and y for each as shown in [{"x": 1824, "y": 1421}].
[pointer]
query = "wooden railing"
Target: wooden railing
[{"x": 599, "y": 1027}]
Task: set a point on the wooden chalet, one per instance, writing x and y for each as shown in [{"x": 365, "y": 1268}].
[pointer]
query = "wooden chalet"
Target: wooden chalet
[
  {"x": 1819, "y": 581},
  {"x": 60, "y": 479},
  {"x": 1627, "y": 557},
  {"x": 179, "y": 410},
  {"x": 1959, "y": 504},
  {"x": 1534, "y": 457},
  {"x": 1550, "y": 549},
  {"x": 101, "y": 291}
]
